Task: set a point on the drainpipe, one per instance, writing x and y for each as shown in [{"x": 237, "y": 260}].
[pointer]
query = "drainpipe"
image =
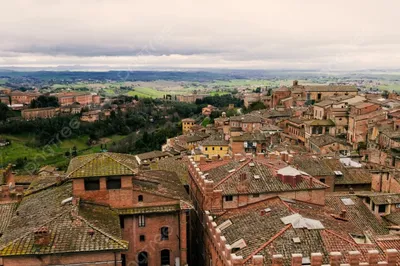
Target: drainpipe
[{"x": 115, "y": 259}]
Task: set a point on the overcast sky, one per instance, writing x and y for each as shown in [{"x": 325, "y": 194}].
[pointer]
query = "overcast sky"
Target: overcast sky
[{"x": 138, "y": 34}]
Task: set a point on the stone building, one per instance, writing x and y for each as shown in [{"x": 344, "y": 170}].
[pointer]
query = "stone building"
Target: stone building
[
  {"x": 47, "y": 112},
  {"x": 187, "y": 125}
]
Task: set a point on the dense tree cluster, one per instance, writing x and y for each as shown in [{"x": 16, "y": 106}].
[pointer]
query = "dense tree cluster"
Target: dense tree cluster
[
  {"x": 220, "y": 101},
  {"x": 44, "y": 101}
]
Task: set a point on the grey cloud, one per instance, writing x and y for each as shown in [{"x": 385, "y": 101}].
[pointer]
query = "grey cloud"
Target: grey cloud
[{"x": 256, "y": 33}]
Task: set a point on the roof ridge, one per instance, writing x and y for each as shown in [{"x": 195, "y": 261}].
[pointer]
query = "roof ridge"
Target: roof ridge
[
  {"x": 85, "y": 163},
  {"x": 341, "y": 237},
  {"x": 108, "y": 154},
  {"x": 268, "y": 242},
  {"x": 231, "y": 174}
]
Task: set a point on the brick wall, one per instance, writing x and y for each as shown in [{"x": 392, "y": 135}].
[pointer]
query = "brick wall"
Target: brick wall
[{"x": 153, "y": 244}]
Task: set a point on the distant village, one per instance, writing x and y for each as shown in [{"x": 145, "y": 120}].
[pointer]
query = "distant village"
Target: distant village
[{"x": 311, "y": 179}]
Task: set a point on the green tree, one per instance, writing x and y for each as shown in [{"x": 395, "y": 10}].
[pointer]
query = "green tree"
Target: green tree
[{"x": 4, "y": 110}]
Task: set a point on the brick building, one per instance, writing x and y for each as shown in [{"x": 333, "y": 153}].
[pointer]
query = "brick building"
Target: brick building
[
  {"x": 19, "y": 97},
  {"x": 47, "y": 112},
  {"x": 68, "y": 98},
  {"x": 153, "y": 206},
  {"x": 225, "y": 185},
  {"x": 278, "y": 231},
  {"x": 362, "y": 117}
]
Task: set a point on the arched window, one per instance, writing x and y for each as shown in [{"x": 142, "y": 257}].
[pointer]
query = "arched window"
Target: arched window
[
  {"x": 143, "y": 259},
  {"x": 165, "y": 257},
  {"x": 140, "y": 198},
  {"x": 164, "y": 233}
]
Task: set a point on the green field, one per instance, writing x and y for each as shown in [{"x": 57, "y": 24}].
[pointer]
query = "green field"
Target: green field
[
  {"x": 3, "y": 81},
  {"x": 390, "y": 87},
  {"x": 146, "y": 93},
  {"x": 48, "y": 155}
]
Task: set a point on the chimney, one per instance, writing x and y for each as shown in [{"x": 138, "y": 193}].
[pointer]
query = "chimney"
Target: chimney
[
  {"x": 203, "y": 159},
  {"x": 316, "y": 259},
  {"x": 226, "y": 157},
  {"x": 343, "y": 214},
  {"x": 391, "y": 256},
  {"x": 277, "y": 260},
  {"x": 354, "y": 258},
  {"x": 42, "y": 236},
  {"x": 297, "y": 259},
  {"x": 258, "y": 260},
  {"x": 373, "y": 257},
  {"x": 335, "y": 258}
]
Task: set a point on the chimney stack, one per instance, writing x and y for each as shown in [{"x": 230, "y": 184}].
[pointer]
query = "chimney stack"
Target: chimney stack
[{"x": 42, "y": 236}]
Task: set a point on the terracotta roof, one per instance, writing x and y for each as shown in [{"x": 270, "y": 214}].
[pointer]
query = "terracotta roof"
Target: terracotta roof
[
  {"x": 163, "y": 183},
  {"x": 330, "y": 88},
  {"x": 349, "y": 175},
  {"x": 317, "y": 122},
  {"x": 260, "y": 227},
  {"x": 260, "y": 178},
  {"x": 151, "y": 155},
  {"x": 6, "y": 213},
  {"x": 247, "y": 136},
  {"x": 312, "y": 165},
  {"x": 326, "y": 139},
  {"x": 174, "y": 164},
  {"x": 79, "y": 228},
  {"x": 102, "y": 164}
]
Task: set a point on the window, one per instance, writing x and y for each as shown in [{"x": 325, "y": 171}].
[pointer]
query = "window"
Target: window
[
  {"x": 220, "y": 148},
  {"x": 114, "y": 183},
  {"x": 143, "y": 259},
  {"x": 165, "y": 257},
  {"x": 141, "y": 221},
  {"x": 367, "y": 200},
  {"x": 142, "y": 238},
  {"x": 322, "y": 180},
  {"x": 256, "y": 195},
  {"x": 213, "y": 148},
  {"x": 121, "y": 222},
  {"x": 229, "y": 198},
  {"x": 92, "y": 184},
  {"x": 381, "y": 208},
  {"x": 164, "y": 233},
  {"x": 140, "y": 198},
  {"x": 206, "y": 149}
]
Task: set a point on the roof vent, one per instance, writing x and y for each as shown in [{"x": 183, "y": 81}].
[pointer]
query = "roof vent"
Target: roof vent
[
  {"x": 66, "y": 200},
  {"x": 296, "y": 240},
  {"x": 256, "y": 177},
  {"x": 242, "y": 160},
  {"x": 231, "y": 171},
  {"x": 265, "y": 211},
  {"x": 251, "y": 164},
  {"x": 224, "y": 225},
  {"x": 239, "y": 244},
  {"x": 347, "y": 201},
  {"x": 338, "y": 173}
]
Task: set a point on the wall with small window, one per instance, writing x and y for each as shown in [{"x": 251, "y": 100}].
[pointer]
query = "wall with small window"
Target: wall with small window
[{"x": 115, "y": 191}]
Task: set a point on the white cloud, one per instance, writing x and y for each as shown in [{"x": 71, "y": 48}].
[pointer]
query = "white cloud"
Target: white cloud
[{"x": 182, "y": 33}]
